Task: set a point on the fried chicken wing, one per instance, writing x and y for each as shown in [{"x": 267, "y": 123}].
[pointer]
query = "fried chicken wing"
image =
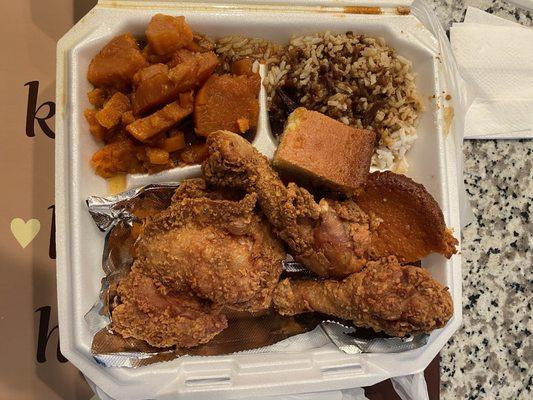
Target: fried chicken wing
[
  {"x": 385, "y": 296},
  {"x": 328, "y": 237},
  {"x": 162, "y": 317},
  {"x": 220, "y": 250},
  {"x": 410, "y": 221}
]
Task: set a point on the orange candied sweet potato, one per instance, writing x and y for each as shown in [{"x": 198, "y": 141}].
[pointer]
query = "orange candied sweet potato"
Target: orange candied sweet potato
[
  {"x": 97, "y": 97},
  {"x": 149, "y": 72},
  {"x": 157, "y": 156},
  {"x": 127, "y": 118},
  {"x": 227, "y": 102},
  {"x": 242, "y": 67},
  {"x": 153, "y": 88},
  {"x": 160, "y": 121},
  {"x": 109, "y": 116},
  {"x": 193, "y": 71},
  {"x": 180, "y": 56},
  {"x": 173, "y": 143},
  {"x": 166, "y": 34},
  {"x": 117, "y": 157},
  {"x": 97, "y": 130},
  {"x": 195, "y": 153},
  {"x": 115, "y": 65},
  {"x": 157, "y": 85}
]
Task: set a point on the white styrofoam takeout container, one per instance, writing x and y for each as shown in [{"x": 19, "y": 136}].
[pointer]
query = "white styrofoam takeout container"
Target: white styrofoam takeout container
[{"x": 79, "y": 243}]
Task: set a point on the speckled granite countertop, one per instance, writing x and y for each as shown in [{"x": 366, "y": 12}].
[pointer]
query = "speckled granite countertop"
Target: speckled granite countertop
[{"x": 490, "y": 357}]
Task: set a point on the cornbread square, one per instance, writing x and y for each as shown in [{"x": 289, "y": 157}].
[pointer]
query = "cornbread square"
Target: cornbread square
[{"x": 324, "y": 151}]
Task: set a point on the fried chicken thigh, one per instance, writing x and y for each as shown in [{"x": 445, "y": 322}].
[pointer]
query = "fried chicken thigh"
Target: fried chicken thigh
[
  {"x": 162, "y": 317},
  {"x": 219, "y": 250},
  {"x": 329, "y": 237},
  {"x": 385, "y": 296}
]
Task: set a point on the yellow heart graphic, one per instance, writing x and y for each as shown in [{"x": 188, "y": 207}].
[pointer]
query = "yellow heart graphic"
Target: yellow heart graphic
[{"x": 25, "y": 232}]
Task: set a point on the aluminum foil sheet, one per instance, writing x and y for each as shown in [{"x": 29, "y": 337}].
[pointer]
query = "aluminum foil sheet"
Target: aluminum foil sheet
[{"x": 117, "y": 216}]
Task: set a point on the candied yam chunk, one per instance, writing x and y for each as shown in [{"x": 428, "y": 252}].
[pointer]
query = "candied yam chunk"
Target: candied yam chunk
[
  {"x": 154, "y": 88},
  {"x": 157, "y": 156},
  {"x": 162, "y": 120},
  {"x": 180, "y": 56},
  {"x": 195, "y": 153},
  {"x": 166, "y": 34},
  {"x": 157, "y": 85},
  {"x": 173, "y": 143},
  {"x": 194, "y": 71},
  {"x": 201, "y": 43},
  {"x": 97, "y": 97},
  {"x": 148, "y": 72},
  {"x": 243, "y": 124},
  {"x": 207, "y": 62},
  {"x": 115, "y": 65},
  {"x": 184, "y": 74},
  {"x": 97, "y": 130},
  {"x": 244, "y": 66},
  {"x": 127, "y": 118},
  {"x": 152, "y": 57},
  {"x": 227, "y": 102},
  {"x": 116, "y": 158},
  {"x": 110, "y": 115}
]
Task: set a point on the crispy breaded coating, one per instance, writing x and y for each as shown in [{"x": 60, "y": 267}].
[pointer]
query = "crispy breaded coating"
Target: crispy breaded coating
[
  {"x": 385, "y": 296},
  {"x": 221, "y": 250},
  {"x": 329, "y": 242},
  {"x": 162, "y": 317},
  {"x": 197, "y": 188}
]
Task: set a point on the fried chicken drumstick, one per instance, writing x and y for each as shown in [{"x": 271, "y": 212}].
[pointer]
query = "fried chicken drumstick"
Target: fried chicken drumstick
[
  {"x": 385, "y": 296},
  {"x": 329, "y": 237}
]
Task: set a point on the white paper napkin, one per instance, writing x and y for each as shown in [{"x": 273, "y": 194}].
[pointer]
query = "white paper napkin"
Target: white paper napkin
[
  {"x": 476, "y": 16},
  {"x": 496, "y": 57}
]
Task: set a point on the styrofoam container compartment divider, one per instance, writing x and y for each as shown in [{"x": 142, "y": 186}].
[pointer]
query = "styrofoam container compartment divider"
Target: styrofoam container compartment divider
[{"x": 79, "y": 242}]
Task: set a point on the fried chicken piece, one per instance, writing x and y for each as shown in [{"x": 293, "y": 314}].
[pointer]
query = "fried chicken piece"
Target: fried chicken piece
[
  {"x": 410, "y": 221},
  {"x": 385, "y": 296},
  {"x": 330, "y": 238},
  {"x": 161, "y": 317},
  {"x": 197, "y": 188},
  {"x": 220, "y": 250}
]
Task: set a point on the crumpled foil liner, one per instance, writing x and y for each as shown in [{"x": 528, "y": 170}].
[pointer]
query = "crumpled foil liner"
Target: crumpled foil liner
[{"x": 116, "y": 215}]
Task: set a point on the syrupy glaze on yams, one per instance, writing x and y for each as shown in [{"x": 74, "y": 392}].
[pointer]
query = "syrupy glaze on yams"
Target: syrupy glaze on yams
[{"x": 146, "y": 93}]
